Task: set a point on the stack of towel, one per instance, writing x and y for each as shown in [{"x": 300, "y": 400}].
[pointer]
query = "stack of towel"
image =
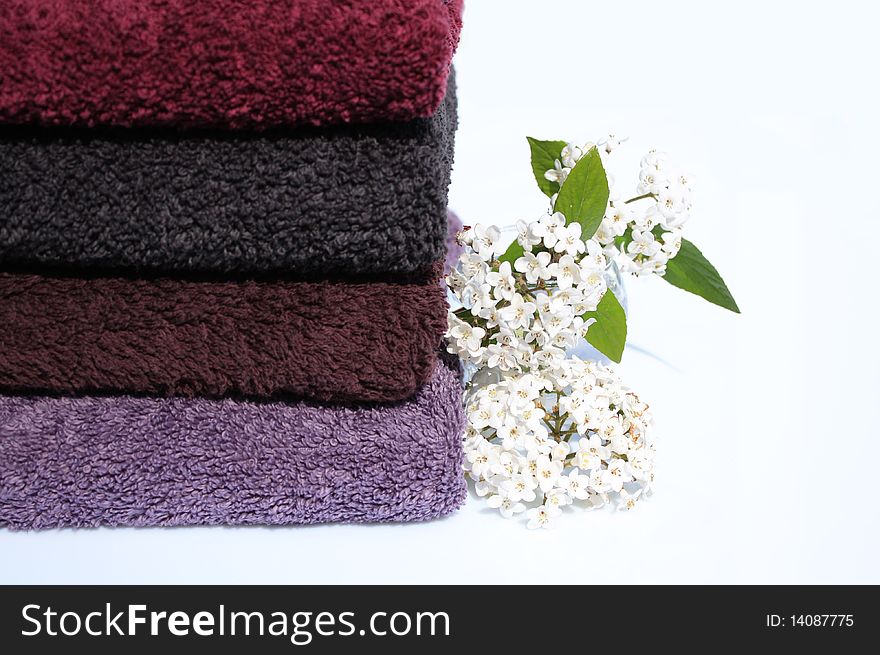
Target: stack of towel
[{"x": 222, "y": 225}]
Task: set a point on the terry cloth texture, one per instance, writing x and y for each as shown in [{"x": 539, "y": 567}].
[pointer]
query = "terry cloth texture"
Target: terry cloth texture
[
  {"x": 115, "y": 461},
  {"x": 347, "y": 200},
  {"x": 223, "y": 63},
  {"x": 329, "y": 341}
]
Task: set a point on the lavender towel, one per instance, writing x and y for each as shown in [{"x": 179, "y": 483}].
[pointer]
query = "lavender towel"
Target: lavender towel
[{"x": 137, "y": 461}]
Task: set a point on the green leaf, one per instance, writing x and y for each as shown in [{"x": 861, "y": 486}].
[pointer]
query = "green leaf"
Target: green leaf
[
  {"x": 690, "y": 271},
  {"x": 608, "y": 333},
  {"x": 583, "y": 197},
  {"x": 514, "y": 251},
  {"x": 544, "y": 156}
]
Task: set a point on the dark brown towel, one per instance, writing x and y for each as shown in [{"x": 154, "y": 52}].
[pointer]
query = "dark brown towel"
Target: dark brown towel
[{"x": 329, "y": 341}]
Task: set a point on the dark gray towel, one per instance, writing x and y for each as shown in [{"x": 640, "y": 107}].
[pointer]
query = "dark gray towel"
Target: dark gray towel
[{"x": 305, "y": 202}]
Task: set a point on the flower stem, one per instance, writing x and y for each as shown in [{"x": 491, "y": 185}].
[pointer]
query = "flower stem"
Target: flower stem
[
  {"x": 641, "y": 197},
  {"x": 557, "y": 431}
]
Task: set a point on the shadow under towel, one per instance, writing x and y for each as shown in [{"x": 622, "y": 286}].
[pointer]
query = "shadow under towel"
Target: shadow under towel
[
  {"x": 330, "y": 341},
  {"x": 347, "y": 200},
  {"x": 86, "y": 462},
  {"x": 223, "y": 63}
]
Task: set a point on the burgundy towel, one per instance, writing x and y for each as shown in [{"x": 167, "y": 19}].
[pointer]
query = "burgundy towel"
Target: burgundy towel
[
  {"x": 330, "y": 341},
  {"x": 86, "y": 462},
  {"x": 223, "y": 63}
]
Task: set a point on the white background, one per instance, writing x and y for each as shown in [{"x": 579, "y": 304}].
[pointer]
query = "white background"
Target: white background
[{"x": 768, "y": 441}]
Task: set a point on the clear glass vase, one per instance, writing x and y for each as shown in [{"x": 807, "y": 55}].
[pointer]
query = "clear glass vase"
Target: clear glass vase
[{"x": 614, "y": 280}]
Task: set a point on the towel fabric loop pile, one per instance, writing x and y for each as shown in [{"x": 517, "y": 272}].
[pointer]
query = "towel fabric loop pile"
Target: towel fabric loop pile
[{"x": 222, "y": 230}]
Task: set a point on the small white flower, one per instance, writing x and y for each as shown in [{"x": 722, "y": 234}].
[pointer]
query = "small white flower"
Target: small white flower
[
  {"x": 571, "y": 154},
  {"x": 520, "y": 487},
  {"x": 685, "y": 181},
  {"x": 535, "y": 267},
  {"x": 570, "y": 240},
  {"x": 539, "y": 517},
  {"x": 549, "y": 357},
  {"x": 558, "y": 173},
  {"x": 511, "y": 435},
  {"x": 591, "y": 453},
  {"x": 565, "y": 339},
  {"x": 484, "y": 415},
  {"x": 531, "y": 415},
  {"x": 647, "y": 219},
  {"x": 616, "y": 475},
  {"x": 562, "y": 300},
  {"x": 482, "y": 458},
  {"x": 654, "y": 265},
  {"x": 502, "y": 281},
  {"x": 548, "y": 228},
  {"x": 560, "y": 451},
  {"x": 472, "y": 267},
  {"x": 503, "y": 357},
  {"x": 671, "y": 243},
  {"x": 643, "y": 243},
  {"x": 483, "y": 488},
  {"x": 524, "y": 390},
  {"x": 485, "y": 241},
  {"x": 527, "y": 239},
  {"x": 593, "y": 286},
  {"x": 652, "y": 177},
  {"x": 547, "y": 472},
  {"x": 610, "y": 143},
  {"x": 597, "y": 482},
  {"x": 507, "y": 465},
  {"x": 654, "y": 160},
  {"x": 506, "y": 506},
  {"x": 618, "y": 218},
  {"x": 605, "y": 236},
  {"x": 506, "y": 337},
  {"x": 490, "y": 315},
  {"x": 566, "y": 272},
  {"x": 626, "y": 500},
  {"x": 555, "y": 500},
  {"x": 456, "y": 282},
  {"x": 483, "y": 300},
  {"x": 536, "y": 334},
  {"x": 470, "y": 338},
  {"x": 670, "y": 203},
  {"x": 640, "y": 465},
  {"x": 575, "y": 484},
  {"x": 556, "y": 318},
  {"x": 519, "y": 313},
  {"x": 594, "y": 260}
]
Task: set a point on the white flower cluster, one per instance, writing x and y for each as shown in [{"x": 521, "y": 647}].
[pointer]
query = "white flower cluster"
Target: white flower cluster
[
  {"x": 643, "y": 232},
  {"x": 526, "y": 315},
  {"x": 571, "y": 436},
  {"x": 547, "y": 431}
]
